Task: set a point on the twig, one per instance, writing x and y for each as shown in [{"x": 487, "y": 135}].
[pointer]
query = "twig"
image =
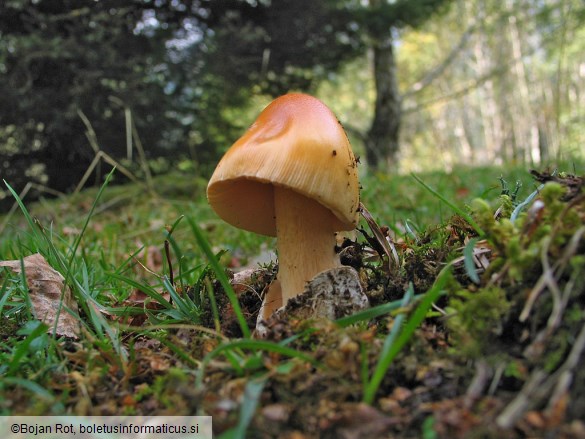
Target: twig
[
  {"x": 438, "y": 70},
  {"x": 568, "y": 368},
  {"x": 547, "y": 279},
  {"x": 483, "y": 373},
  {"x": 557, "y": 313},
  {"x": 497, "y": 377},
  {"x": 523, "y": 401},
  {"x": 540, "y": 386},
  {"x": 101, "y": 155},
  {"x": 169, "y": 262},
  {"x": 549, "y": 276},
  {"x": 108, "y": 159},
  {"x": 535, "y": 347},
  {"x": 145, "y": 268}
]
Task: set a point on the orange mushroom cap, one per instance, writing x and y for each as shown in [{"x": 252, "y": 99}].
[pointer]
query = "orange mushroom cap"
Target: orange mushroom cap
[{"x": 296, "y": 143}]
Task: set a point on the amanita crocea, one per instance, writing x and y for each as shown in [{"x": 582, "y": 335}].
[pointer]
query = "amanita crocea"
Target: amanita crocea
[{"x": 292, "y": 175}]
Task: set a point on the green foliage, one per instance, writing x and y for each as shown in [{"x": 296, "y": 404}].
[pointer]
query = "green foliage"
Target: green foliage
[
  {"x": 546, "y": 229},
  {"x": 35, "y": 344},
  {"x": 380, "y": 14},
  {"x": 182, "y": 74},
  {"x": 259, "y": 45},
  {"x": 57, "y": 59},
  {"x": 507, "y": 206}
]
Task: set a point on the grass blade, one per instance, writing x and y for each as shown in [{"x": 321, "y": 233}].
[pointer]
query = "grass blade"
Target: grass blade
[
  {"x": 213, "y": 303},
  {"x": 253, "y": 345},
  {"x": 4, "y": 294},
  {"x": 381, "y": 366},
  {"x": 261, "y": 345},
  {"x": 22, "y": 348},
  {"x": 88, "y": 218},
  {"x": 372, "y": 313},
  {"x": 146, "y": 289},
  {"x": 389, "y": 342},
  {"x": 39, "y": 237},
  {"x": 180, "y": 303},
  {"x": 468, "y": 261},
  {"x": 455, "y": 208},
  {"x": 221, "y": 277},
  {"x": 405, "y": 334},
  {"x": 252, "y": 393},
  {"x": 33, "y": 387}
]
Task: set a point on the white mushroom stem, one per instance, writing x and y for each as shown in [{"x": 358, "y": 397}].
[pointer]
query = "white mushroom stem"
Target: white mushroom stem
[{"x": 305, "y": 240}]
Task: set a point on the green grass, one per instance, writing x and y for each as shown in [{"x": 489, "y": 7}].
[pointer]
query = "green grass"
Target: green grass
[
  {"x": 128, "y": 216},
  {"x": 93, "y": 268},
  {"x": 401, "y": 334},
  {"x": 100, "y": 239}
]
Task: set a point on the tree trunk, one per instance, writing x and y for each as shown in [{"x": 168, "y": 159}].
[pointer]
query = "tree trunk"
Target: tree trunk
[{"x": 382, "y": 138}]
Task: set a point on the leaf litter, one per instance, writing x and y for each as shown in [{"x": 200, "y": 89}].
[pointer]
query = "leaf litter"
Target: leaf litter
[{"x": 52, "y": 301}]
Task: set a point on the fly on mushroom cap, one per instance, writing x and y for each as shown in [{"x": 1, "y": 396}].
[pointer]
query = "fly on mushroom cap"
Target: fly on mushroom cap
[
  {"x": 296, "y": 143},
  {"x": 292, "y": 175}
]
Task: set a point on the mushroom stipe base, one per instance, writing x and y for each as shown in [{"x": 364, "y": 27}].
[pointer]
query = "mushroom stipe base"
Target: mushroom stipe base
[{"x": 332, "y": 294}]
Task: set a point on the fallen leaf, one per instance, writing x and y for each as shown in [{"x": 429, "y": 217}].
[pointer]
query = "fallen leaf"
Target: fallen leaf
[
  {"x": 46, "y": 290},
  {"x": 361, "y": 420}
]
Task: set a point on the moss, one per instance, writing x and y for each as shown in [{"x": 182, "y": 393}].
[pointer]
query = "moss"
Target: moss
[
  {"x": 476, "y": 318},
  {"x": 556, "y": 351},
  {"x": 551, "y": 195},
  {"x": 507, "y": 206},
  {"x": 498, "y": 231},
  {"x": 165, "y": 389},
  {"x": 483, "y": 214}
]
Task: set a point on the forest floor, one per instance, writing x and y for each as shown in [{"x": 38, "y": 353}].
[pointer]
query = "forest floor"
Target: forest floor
[{"x": 476, "y": 325}]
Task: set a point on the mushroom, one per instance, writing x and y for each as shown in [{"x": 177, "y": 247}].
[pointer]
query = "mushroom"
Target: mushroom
[{"x": 292, "y": 175}]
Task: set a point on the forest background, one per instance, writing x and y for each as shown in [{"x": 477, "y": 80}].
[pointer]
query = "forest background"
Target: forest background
[{"x": 160, "y": 85}]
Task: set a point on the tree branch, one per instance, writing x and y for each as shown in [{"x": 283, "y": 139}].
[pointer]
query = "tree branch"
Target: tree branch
[{"x": 433, "y": 74}]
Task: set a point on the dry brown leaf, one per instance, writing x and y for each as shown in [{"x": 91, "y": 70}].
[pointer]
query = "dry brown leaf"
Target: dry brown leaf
[
  {"x": 46, "y": 286},
  {"x": 361, "y": 420}
]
